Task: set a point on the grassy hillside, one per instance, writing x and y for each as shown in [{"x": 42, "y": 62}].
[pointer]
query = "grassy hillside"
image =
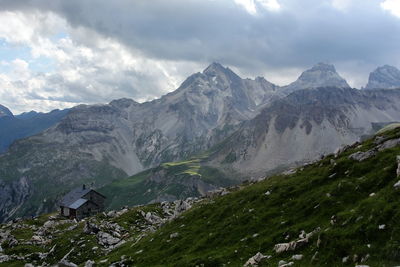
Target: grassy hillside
[
  {"x": 351, "y": 206},
  {"x": 169, "y": 181}
]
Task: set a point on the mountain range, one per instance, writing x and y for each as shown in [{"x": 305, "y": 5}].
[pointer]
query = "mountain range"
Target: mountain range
[
  {"x": 14, "y": 127},
  {"x": 242, "y": 127}
]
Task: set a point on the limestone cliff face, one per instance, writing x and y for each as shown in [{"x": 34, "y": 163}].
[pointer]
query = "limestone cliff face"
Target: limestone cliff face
[{"x": 305, "y": 125}]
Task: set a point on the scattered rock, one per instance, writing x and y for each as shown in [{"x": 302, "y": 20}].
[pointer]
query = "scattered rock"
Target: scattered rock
[
  {"x": 152, "y": 218},
  {"x": 364, "y": 259},
  {"x": 89, "y": 263},
  {"x": 37, "y": 239},
  {"x": 65, "y": 263},
  {"x": 314, "y": 257},
  {"x": 379, "y": 140},
  {"x": 181, "y": 206},
  {"x": 283, "y": 263},
  {"x": 282, "y": 247},
  {"x": 397, "y": 185},
  {"x": 382, "y": 227},
  {"x": 112, "y": 214},
  {"x": 289, "y": 172},
  {"x": 398, "y": 166},
  {"x": 372, "y": 194},
  {"x": 107, "y": 240},
  {"x": 297, "y": 257},
  {"x": 217, "y": 192},
  {"x": 361, "y": 156},
  {"x": 49, "y": 224},
  {"x": 345, "y": 259},
  {"x": 267, "y": 193},
  {"x": 389, "y": 144},
  {"x": 90, "y": 228},
  {"x": 174, "y": 235},
  {"x": 333, "y": 220},
  {"x": 256, "y": 259},
  {"x": 4, "y": 258}
]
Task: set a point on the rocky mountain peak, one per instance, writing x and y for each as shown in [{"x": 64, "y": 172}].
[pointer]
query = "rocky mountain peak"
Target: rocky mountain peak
[
  {"x": 326, "y": 67},
  {"x": 213, "y": 68},
  {"x": 123, "y": 103},
  {"x": 217, "y": 70},
  {"x": 5, "y": 112},
  {"x": 320, "y": 75},
  {"x": 384, "y": 77}
]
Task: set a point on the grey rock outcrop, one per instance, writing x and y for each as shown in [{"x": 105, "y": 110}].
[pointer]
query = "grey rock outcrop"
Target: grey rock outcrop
[
  {"x": 385, "y": 77},
  {"x": 361, "y": 156},
  {"x": 389, "y": 144},
  {"x": 256, "y": 259},
  {"x": 107, "y": 240},
  {"x": 293, "y": 245}
]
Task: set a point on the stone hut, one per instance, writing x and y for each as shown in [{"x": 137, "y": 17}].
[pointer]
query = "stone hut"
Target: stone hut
[{"x": 81, "y": 202}]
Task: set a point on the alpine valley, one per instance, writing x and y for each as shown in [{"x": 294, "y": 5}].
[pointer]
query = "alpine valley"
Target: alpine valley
[{"x": 215, "y": 130}]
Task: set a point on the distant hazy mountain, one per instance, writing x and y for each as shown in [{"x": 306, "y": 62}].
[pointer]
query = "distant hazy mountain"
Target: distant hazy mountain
[
  {"x": 24, "y": 125},
  {"x": 5, "y": 112},
  {"x": 320, "y": 75},
  {"x": 385, "y": 77}
]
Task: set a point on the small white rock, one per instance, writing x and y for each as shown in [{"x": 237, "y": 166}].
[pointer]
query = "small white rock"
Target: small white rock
[
  {"x": 297, "y": 257},
  {"x": 382, "y": 227}
]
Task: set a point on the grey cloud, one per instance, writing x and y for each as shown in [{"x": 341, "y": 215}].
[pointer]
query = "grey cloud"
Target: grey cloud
[{"x": 301, "y": 34}]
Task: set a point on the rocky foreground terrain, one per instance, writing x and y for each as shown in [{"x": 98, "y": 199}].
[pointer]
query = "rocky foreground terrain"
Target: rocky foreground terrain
[{"x": 342, "y": 210}]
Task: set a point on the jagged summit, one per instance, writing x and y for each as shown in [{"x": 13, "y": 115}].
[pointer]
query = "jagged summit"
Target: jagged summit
[
  {"x": 322, "y": 66},
  {"x": 384, "y": 77},
  {"x": 123, "y": 102},
  {"x": 5, "y": 112},
  {"x": 320, "y": 75},
  {"x": 216, "y": 69}
]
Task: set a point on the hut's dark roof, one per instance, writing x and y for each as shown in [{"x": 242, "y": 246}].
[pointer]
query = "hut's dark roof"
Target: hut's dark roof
[
  {"x": 78, "y": 203},
  {"x": 73, "y": 196}
]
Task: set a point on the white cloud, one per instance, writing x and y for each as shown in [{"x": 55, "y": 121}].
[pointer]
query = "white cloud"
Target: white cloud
[
  {"x": 248, "y": 5},
  {"x": 90, "y": 55},
  {"x": 342, "y": 5},
  {"x": 393, "y": 6},
  {"x": 101, "y": 72},
  {"x": 271, "y": 5},
  {"x": 251, "y": 6}
]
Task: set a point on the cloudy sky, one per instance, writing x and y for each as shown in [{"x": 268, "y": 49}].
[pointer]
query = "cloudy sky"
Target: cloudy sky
[{"x": 60, "y": 53}]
